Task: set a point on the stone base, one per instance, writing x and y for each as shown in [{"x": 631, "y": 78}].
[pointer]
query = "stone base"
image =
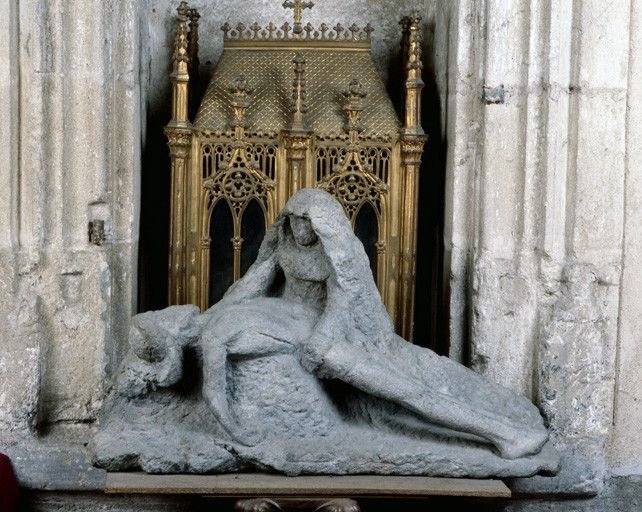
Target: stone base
[
  {"x": 156, "y": 451},
  {"x": 620, "y": 494}
]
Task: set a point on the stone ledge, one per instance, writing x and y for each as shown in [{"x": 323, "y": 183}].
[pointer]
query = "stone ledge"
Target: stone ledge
[
  {"x": 243, "y": 485},
  {"x": 51, "y": 466},
  {"x": 52, "y": 463}
]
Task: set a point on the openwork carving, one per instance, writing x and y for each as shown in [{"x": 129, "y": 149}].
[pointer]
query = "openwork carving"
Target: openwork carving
[
  {"x": 376, "y": 158},
  {"x": 238, "y": 181},
  {"x": 239, "y": 184},
  {"x": 215, "y": 154},
  {"x": 353, "y": 185},
  {"x": 286, "y": 32}
]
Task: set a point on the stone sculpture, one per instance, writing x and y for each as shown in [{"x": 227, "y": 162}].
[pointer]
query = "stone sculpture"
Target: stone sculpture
[{"x": 298, "y": 370}]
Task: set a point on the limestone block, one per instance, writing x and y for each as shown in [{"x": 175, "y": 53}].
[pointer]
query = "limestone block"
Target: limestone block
[
  {"x": 22, "y": 345},
  {"x": 596, "y": 190},
  {"x": 621, "y": 494},
  {"x": 603, "y": 49},
  {"x": 504, "y": 318},
  {"x": 576, "y": 371},
  {"x": 59, "y": 463},
  {"x": 77, "y": 331}
]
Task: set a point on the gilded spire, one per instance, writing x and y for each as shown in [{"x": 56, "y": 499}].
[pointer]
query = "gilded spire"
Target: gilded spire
[
  {"x": 180, "y": 69},
  {"x": 354, "y": 106},
  {"x": 240, "y": 92},
  {"x": 181, "y": 40},
  {"x": 297, "y": 6},
  {"x": 412, "y": 42},
  {"x": 411, "y": 26},
  {"x": 299, "y": 108}
]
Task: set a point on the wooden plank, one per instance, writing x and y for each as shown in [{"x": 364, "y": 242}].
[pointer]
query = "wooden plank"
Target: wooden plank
[{"x": 243, "y": 485}]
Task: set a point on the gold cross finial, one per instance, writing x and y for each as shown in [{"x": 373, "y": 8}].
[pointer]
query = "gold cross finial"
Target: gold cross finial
[{"x": 297, "y": 6}]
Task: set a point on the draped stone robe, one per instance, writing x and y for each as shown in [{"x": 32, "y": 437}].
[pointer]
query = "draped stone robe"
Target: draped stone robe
[{"x": 300, "y": 371}]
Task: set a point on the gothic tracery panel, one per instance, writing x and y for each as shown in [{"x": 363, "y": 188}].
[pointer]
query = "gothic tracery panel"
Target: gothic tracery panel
[
  {"x": 353, "y": 184},
  {"x": 247, "y": 193},
  {"x": 376, "y": 158},
  {"x": 214, "y": 154}
]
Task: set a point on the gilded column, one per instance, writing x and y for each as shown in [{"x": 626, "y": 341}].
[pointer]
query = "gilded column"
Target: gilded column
[
  {"x": 179, "y": 135},
  {"x": 412, "y": 143},
  {"x": 297, "y": 140}
]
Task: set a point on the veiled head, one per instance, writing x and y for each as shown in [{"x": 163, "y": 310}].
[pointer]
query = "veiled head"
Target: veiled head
[
  {"x": 317, "y": 222},
  {"x": 302, "y": 230}
]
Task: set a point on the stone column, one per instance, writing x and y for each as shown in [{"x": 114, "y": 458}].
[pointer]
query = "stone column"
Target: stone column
[
  {"x": 22, "y": 340},
  {"x": 69, "y": 153},
  {"x": 625, "y": 454},
  {"x": 535, "y": 190}
]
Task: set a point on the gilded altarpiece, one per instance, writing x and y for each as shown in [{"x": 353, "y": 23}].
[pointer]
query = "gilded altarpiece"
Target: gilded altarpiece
[{"x": 291, "y": 107}]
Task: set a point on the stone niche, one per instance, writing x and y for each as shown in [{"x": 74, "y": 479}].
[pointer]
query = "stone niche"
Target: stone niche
[{"x": 529, "y": 249}]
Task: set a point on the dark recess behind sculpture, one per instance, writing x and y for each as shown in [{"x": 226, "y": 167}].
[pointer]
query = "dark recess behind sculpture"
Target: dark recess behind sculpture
[{"x": 222, "y": 254}]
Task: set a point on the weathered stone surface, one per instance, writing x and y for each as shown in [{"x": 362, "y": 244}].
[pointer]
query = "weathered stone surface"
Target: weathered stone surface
[
  {"x": 538, "y": 189},
  {"x": 570, "y": 72},
  {"x": 625, "y": 450},
  {"x": 619, "y": 494},
  {"x": 302, "y": 373},
  {"x": 53, "y": 463},
  {"x": 70, "y": 128}
]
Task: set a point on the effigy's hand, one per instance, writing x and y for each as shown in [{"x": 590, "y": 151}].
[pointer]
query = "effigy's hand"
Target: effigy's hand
[
  {"x": 136, "y": 378},
  {"x": 312, "y": 351}
]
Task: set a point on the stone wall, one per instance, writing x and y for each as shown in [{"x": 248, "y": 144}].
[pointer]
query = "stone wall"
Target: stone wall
[
  {"x": 543, "y": 180},
  {"x": 625, "y": 453},
  {"x": 534, "y": 111},
  {"x": 70, "y": 132}
]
